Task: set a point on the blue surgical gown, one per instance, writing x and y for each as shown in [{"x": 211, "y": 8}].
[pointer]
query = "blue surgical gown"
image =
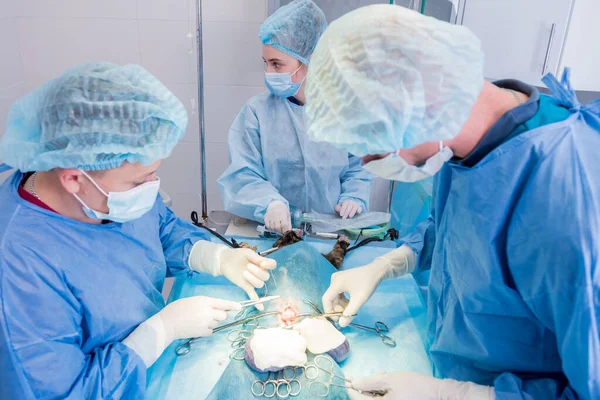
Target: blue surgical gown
[
  {"x": 513, "y": 247},
  {"x": 272, "y": 158},
  {"x": 70, "y": 292}
]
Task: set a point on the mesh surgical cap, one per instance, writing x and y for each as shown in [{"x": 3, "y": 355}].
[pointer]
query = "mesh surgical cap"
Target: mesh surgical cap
[
  {"x": 384, "y": 78},
  {"x": 294, "y": 29},
  {"x": 94, "y": 117}
]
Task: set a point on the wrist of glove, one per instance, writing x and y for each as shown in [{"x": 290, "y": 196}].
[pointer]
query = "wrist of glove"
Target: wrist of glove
[
  {"x": 184, "y": 318},
  {"x": 243, "y": 267},
  {"x": 411, "y": 385},
  {"x": 396, "y": 263}
]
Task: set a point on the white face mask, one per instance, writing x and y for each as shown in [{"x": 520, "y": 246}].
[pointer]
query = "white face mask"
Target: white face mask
[
  {"x": 124, "y": 206},
  {"x": 395, "y": 168}
]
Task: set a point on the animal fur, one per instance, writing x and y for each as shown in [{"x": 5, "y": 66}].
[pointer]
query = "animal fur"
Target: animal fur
[{"x": 335, "y": 256}]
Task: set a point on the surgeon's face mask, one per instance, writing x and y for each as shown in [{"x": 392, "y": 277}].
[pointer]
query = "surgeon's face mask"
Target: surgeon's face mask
[
  {"x": 281, "y": 83},
  {"x": 124, "y": 206},
  {"x": 395, "y": 168}
]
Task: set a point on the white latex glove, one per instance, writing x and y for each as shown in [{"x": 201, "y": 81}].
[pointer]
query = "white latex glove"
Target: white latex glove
[
  {"x": 182, "y": 319},
  {"x": 278, "y": 218},
  {"x": 410, "y": 385},
  {"x": 243, "y": 267},
  {"x": 348, "y": 209},
  {"x": 360, "y": 283}
]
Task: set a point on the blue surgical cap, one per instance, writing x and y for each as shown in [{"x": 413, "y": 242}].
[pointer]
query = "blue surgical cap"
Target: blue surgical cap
[
  {"x": 295, "y": 29},
  {"x": 385, "y": 78},
  {"x": 94, "y": 117}
]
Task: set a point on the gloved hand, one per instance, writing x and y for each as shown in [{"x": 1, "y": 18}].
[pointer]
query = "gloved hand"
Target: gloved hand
[
  {"x": 410, "y": 385},
  {"x": 360, "y": 283},
  {"x": 242, "y": 267},
  {"x": 278, "y": 218},
  {"x": 182, "y": 319},
  {"x": 348, "y": 209}
]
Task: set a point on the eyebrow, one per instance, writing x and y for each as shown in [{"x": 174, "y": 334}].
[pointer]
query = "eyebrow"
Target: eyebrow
[{"x": 273, "y": 59}]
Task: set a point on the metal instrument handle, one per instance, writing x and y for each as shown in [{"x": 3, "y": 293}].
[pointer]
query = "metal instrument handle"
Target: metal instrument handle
[{"x": 548, "y": 49}]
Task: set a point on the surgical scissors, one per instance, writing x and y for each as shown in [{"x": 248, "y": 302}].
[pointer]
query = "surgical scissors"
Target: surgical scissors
[
  {"x": 278, "y": 385},
  {"x": 380, "y": 328}
]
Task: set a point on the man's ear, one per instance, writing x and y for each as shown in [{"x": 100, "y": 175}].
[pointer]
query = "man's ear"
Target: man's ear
[{"x": 70, "y": 179}]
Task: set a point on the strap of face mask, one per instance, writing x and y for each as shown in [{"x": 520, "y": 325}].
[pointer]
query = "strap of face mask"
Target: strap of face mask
[{"x": 94, "y": 183}]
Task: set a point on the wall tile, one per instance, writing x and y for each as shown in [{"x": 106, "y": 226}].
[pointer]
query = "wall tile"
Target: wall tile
[
  {"x": 7, "y": 98},
  {"x": 113, "y": 9},
  {"x": 8, "y": 9},
  {"x": 234, "y": 10},
  {"x": 50, "y": 46},
  {"x": 165, "y": 51},
  {"x": 222, "y": 105},
  {"x": 232, "y": 54},
  {"x": 185, "y": 92},
  {"x": 217, "y": 162},
  {"x": 11, "y": 71},
  {"x": 184, "y": 204},
  {"x": 167, "y": 10},
  {"x": 180, "y": 173}
]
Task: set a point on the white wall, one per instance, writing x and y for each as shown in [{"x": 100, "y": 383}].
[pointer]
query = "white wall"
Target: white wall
[
  {"x": 12, "y": 79},
  {"x": 39, "y": 39},
  {"x": 582, "y": 50}
]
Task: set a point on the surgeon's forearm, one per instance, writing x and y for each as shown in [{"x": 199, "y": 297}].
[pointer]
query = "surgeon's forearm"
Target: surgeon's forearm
[{"x": 148, "y": 340}]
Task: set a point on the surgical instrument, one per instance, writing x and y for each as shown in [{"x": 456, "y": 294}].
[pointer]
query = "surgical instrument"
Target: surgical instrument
[
  {"x": 249, "y": 303},
  {"x": 277, "y": 384},
  {"x": 380, "y": 328},
  {"x": 268, "y": 251},
  {"x": 321, "y": 389},
  {"x": 186, "y": 347}
]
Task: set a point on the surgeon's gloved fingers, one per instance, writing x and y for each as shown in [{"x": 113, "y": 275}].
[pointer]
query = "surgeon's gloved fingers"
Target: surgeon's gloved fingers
[
  {"x": 258, "y": 272},
  {"x": 225, "y": 305},
  {"x": 338, "y": 208},
  {"x": 252, "y": 295},
  {"x": 355, "y": 395},
  {"x": 329, "y": 298},
  {"x": 355, "y": 303},
  {"x": 262, "y": 262},
  {"x": 220, "y": 315},
  {"x": 378, "y": 381},
  {"x": 345, "y": 209},
  {"x": 355, "y": 210},
  {"x": 213, "y": 324},
  {"x": 253, "y": 280}
]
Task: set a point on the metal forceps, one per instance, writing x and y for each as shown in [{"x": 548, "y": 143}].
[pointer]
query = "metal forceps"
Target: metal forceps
[
  {"x": 322, "y": 388},
  {"x": 380, "y": 329},
  {"x": 277, "y": 384}
]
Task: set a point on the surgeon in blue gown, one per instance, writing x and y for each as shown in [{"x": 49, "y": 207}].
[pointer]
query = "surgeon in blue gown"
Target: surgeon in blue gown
[
  {"x": 86, "y": 242},
  {"x": 273, "y": 164},
  {"x": 512, "y": 241}
]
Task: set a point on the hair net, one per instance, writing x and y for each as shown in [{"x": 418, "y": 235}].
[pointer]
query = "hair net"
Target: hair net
[
  {"x": 94, "y": 117},
  {"x": 385, "y": 78},
  {"x": 294, "y": 29}
]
